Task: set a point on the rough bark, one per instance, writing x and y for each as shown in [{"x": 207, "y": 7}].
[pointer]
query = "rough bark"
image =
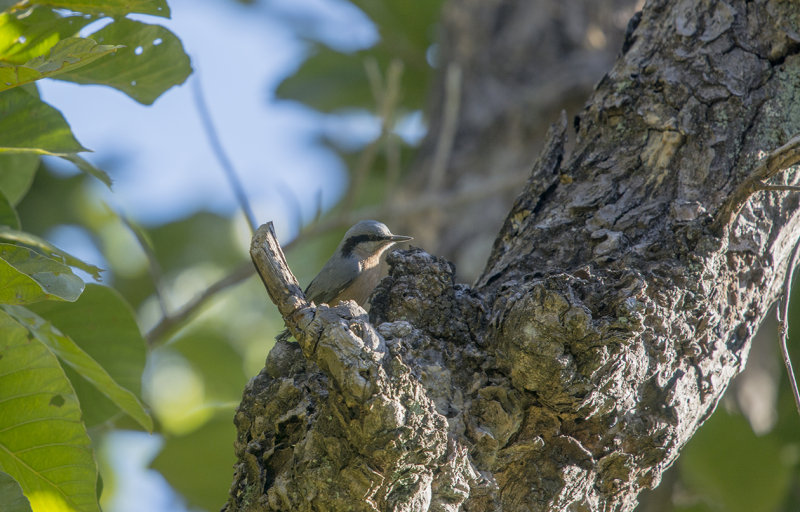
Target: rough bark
[{"x": 619, "y": 300}]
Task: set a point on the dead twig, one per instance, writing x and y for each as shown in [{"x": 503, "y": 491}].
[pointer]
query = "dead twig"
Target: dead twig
[
  {"x": 779, "y": 188},
  {"x": 778, "y": 161}
]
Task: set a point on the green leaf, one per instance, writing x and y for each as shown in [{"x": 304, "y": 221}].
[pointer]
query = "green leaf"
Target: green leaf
[
  {"x": 11, "y": 495},
  {"x": 43, "y": 443},
  {"x": 16, "y": 174},
  {"x": 31, "y": 240},
  {"x": 195, "y": 465},
  {"x": 406, "y": 28},
  {"x": 85, "y": 166},
  {"x": 8, "y": 216},
  {"x": 66, "y": 55},
  {"x": 70, "y": 353},
  {"x": 113, "y": 7},
  {"x": 152, "y": 61},
  {"x": 29, "y": 33},
  {"x": 26, "y": 276},
  {"x": 29, "y": 125},
  {"x": 329, "y": 80},
  {"x": 104, "y": 327}
]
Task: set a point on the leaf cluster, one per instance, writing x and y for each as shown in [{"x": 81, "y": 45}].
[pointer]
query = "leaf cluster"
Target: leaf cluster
[
  {"x": 387, "y": 82},
  {"x": 71, "y": 354}
]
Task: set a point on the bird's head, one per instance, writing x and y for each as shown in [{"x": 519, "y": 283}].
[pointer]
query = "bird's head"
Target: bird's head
[{"x": 368, "y": 238}]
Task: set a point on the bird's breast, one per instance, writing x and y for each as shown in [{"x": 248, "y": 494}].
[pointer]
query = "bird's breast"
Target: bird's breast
[{"x": 363, "y": 285}]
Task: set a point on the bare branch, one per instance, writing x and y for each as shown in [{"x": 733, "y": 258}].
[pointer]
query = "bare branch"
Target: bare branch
[
  {"x": 447, "y": 134},
  {"x": 222, "y": 157},
  {"x": 152, "y": 263},
  {"x": 172, "y": 322},
  {"x": 386, "y": 111},
  {"x": 778, "y": 188},
  {"x": 270, "y": 262}
]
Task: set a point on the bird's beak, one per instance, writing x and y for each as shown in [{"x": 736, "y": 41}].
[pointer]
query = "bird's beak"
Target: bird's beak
[{"x": 401, "y": 238}]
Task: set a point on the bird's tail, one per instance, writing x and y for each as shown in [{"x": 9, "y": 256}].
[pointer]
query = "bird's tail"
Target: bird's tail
[{"x": 284, "y": 335}]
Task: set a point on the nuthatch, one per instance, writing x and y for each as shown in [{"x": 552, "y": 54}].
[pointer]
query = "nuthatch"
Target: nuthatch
[{"x": 354, "y": 270}]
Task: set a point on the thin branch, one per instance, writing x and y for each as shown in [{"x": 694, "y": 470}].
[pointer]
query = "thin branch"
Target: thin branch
[
  {"x": 392, "y": 148},
  {"x": 447, "y": 135},
  {"x": 776, "y": 162},
  {"x": 170, "y": 323},
  {"x": 152, "y": 263},
  {"x": 386, "y": 111},
  {"x": 222, "y": 157},
  {"x": 784, "y": 324},
  {"x": 425, "y": 202},
  {"x": 292, "y": 202},
  {"x": 374, "y": 79},
  {"x": 789, "y": 188}
]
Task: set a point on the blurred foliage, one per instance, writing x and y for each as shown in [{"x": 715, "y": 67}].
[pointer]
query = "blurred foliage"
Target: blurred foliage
[
  {"x": 71, "y": 355},
  {"x": 346, "y": 84}
]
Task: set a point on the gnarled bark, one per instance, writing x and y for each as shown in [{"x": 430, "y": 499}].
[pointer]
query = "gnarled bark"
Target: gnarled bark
[{"x": 618, "y": 302}]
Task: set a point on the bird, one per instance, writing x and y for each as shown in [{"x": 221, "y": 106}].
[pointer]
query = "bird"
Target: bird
[{"x": 354, "y": 269}]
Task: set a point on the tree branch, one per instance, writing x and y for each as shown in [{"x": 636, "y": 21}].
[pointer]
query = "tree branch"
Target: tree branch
[
  {"x": 376, "y": 417},
  {"x": 222, "y": 157},
  {"x": 776, "y": 162}
]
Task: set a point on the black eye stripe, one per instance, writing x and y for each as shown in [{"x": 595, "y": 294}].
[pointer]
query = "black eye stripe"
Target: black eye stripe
[{"x": 353, "y": 241}]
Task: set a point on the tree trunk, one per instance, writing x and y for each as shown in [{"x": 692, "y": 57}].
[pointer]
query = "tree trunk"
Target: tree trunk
[{"x": 619, "y": 300}]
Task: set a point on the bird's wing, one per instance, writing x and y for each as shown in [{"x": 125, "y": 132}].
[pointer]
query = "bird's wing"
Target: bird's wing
[{"x": 335, "y": 282}]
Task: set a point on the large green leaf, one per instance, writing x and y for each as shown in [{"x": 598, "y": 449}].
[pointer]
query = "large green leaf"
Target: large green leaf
[
  {"x": 112, "y": 7},
  {"x": 29, "y": 125},
  {"x": 406, "y": 28},
  {"x": 104, "y": 326},
  {"x": 329, "y": 80},
  {"x": 195, "y": 465},
  {"x": 26, "y": 276},
  {"x": 39, "y": 243},
  {"x": 16, "y": 174},
  {"x": 43, "y": 443},
  {"x": 11, "y": 495},
  {"x": 152, "y": 62},
  {"x": 29, "y": 33},
  {"x": 66, "y": 55},
  {"x": 70, "y": 353}
]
